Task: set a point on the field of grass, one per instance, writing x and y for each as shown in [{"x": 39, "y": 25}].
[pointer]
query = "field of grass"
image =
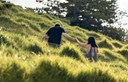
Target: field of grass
[{"x": 24, "y": 57}]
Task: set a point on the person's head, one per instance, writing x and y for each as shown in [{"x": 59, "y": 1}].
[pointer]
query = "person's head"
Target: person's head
[
  {"x": 57, "y": 25},
  {"x": 92, "y": 42}
]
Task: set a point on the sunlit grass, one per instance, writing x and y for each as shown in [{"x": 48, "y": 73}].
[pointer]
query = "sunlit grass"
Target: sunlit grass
[{"x": 26, "y": 58}]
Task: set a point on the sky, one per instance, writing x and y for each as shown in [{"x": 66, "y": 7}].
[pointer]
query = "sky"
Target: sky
[{"x": 123, "y": 5}]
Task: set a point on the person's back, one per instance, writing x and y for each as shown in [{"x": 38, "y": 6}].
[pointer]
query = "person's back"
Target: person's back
[
  {"x": 91, "y": 52},
  {"x": 55, "y": 35},
  {"x": 91, "y": 48}
]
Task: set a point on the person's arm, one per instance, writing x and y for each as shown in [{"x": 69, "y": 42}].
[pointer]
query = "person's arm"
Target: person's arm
[
  {"x": 68, "y": 37},
  {"x": 45, "y": 37},
  {"x": 81, "y": 43}
]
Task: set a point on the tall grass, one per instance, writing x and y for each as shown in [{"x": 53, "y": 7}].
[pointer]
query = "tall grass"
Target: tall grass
[
  {"x": 104, "y": 43},
  {"x": 7, "y": 22},
  {"x": 11, "y": 71},
  {"x": 109, "y": 55},
  {"x": 72, "y": 51},
  {"x": 57, "y": 70},
  {"x": 25, "y": 57},
  {"x": 117, "y": 44}
]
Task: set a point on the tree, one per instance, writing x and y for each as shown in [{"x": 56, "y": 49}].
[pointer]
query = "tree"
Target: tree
[
  {"x": 51, "y": 7},
  {"x": 96, "y": 15},
  {"x": 115, "y": 33},
  {"x": 39, "y": 1},
  {"x": 91, "y": 14}
]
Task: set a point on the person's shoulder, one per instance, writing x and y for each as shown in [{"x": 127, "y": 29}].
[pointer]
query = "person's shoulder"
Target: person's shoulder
[{"x": 61, "y": 27}]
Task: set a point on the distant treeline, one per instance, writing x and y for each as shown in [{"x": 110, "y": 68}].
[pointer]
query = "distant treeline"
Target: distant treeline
[{"x": 96, "y": 15}]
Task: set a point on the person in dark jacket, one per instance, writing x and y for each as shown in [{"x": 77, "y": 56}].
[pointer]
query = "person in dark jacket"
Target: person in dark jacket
[{"x": 55, "y": 34}]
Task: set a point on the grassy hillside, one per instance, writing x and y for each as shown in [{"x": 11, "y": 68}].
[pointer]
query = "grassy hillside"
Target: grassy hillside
[{"x": 24, "y": 57}]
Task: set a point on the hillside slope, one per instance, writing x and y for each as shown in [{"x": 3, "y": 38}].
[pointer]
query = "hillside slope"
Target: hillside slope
[{"x": 26, "y": 58}]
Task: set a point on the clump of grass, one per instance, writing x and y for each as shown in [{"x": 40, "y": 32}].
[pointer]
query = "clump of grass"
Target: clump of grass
[
  {"x": 43, "y": 25},
  {"x": 93, "y": 76},
  {"x": 125, "y": 47},
  {"x": 124, "y": 52},
  {"x": 71, "y": 51},
  {"x": 7, "y": 50},
  {"x": 50, "y": 72},
  {"x": 117, "y": 44},
  {"x": 18, "y": 41},
  {"x": 34, "y": 48},
  {"x": 28, "y": 23},
  {"x": 3, "y": 40},
  {"x": 94, "y": 34},
  {"x": 48, "y": 16},
  {"x": 11, "y": 72},
  {"x": 112, "y": 56},
  {"x": 8, "y": 22},
  {"x": 105, "y": 44}
]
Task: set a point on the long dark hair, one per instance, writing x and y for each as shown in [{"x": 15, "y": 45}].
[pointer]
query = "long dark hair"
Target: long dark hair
[{"x": 92, "y": 41}]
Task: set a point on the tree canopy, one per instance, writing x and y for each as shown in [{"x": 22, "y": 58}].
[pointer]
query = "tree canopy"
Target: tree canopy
[{"x": 96, "y": 15}]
